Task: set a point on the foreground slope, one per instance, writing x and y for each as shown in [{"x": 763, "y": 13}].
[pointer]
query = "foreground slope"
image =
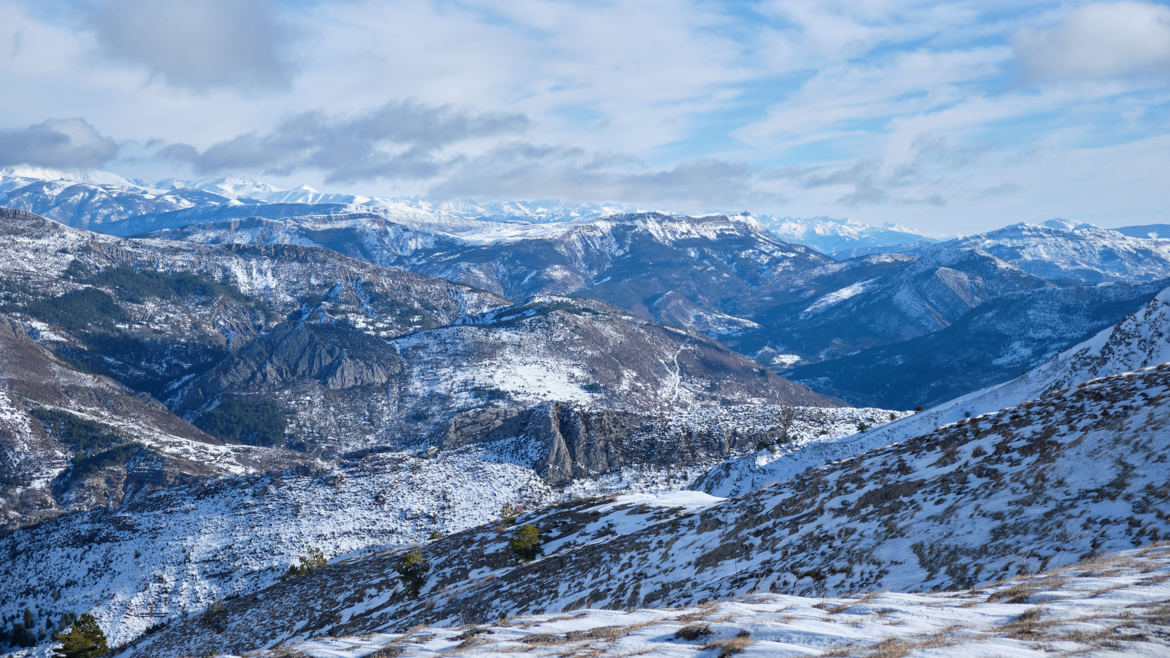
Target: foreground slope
[
  {"x": 1140, "y": 340},
  {"x": 1032, "y": 487},
  {"x": 1115, "y": 603}
]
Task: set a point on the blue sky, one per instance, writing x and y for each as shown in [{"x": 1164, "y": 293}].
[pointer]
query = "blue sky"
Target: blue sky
[{"x": 947, "y": 117}]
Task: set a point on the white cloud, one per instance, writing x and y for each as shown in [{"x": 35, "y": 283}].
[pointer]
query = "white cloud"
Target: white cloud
[
  {"x": 1099, "y": 41},
  {"x": 67, "y": 143},
  {"x": 198, "y": 44}
]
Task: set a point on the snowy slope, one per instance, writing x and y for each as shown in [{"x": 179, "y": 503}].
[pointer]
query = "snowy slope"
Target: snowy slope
[
  {"x": 1141, "y": 340},
  {"x": 1038, "y": 486},
  {"x": 1114, "y": 603}
]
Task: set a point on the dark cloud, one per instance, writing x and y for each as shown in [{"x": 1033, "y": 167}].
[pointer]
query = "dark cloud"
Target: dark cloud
[
  {"x": 523, "y": 170},
  {"x": 400, "y": 140},
  {"x": 64, "y": 143},
  {"x": 199, "y": 44}
]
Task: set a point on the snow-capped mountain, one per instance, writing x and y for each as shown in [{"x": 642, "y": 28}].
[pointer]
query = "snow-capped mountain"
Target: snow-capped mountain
[
  {"x": 1141, "y": 340},
  {"x": 845, "y": 237},
  {"x": 301, "y": 347},
  {"x": 678, "y": 270},
  {"x": 1082, "y": 471},
  {"x": 1061, "y": 250}
]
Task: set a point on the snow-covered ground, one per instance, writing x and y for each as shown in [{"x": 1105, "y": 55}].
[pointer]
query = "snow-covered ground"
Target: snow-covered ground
[
  {"x": 177, "y": 551},
  {"x": 1115, "y": 604}
]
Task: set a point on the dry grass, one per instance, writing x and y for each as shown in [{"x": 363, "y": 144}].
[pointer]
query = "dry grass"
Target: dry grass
[
  {"x": 1028, "y": 626},
  {"x": 837, "y": 609},
  {"x": 730, "y": 646},
  {"x": 702, "y": 613}
]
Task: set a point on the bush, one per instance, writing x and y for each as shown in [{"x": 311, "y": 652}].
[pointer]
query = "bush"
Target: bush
[
  {"x": 508, "y": 514},
  {"x": 412, "y": 568},
  {"x": 252, "y": 421},
  {"x": 84, "y": 640},
  {"x": 314, "y": 559},
  {"x": 526, "y": 542}
]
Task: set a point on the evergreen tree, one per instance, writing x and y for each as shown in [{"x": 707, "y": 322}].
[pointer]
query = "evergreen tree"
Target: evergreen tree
[
  {"x": 84, "y": 640},
  {"x": 526, "y": 542},
  {"x": 412, "y": 568}
]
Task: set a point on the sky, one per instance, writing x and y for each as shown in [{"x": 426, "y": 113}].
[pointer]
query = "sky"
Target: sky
[{"x": 945, "y": 117}]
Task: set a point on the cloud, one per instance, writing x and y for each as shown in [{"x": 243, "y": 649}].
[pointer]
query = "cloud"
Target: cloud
[
  {"x": 399, "y": 140},
  {"x": 66, "y": 143},
  {"x": 198, "y": 44},
  {"x": 521, "y": 170},
  {"x": 1099, "y": 41}
]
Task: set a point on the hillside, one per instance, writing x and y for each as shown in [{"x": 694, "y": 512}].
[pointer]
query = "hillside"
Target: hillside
[
  {"x": 346, "y": 390},
  {"x": 1084, "y": 470},
  {"x": 990, "y": 344},
  {"x": 71, "y": 440},
  {"x": 1140, "y": 340}
]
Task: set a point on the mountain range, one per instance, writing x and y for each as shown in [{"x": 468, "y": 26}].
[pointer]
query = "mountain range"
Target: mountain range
[{"x": 236, "y": 418}]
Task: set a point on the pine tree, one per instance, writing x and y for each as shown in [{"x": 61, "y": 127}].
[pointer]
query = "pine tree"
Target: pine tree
[
  {"x": 412, "y": 568},
  {"x": 84, "y": 640},
  {"x": 526, "y": 542}
]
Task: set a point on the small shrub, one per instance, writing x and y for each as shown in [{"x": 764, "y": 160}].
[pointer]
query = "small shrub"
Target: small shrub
[
  {"x": 508, "y": 514},
  {"x": 314, "y": 559},
  {"x": 435, "y": 534},
  {"x": 412, "y": 568},
  {"x": 526, "y": 542},
  {"x": 692, "y": 632},
  {"x": 215, "y": 617},
  {"x": 85, "y": 639},
  {"x": 862, "y": 426}
]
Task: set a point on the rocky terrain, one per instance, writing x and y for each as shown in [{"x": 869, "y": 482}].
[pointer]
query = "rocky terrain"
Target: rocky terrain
[
  {"x": 280, "y": 378},
  {"x": 74, "y": 440},
  {"x": 1115, "y": 604},
  {"x": 478, "y": 379},
  {"x": 1038, "y": 486}
]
